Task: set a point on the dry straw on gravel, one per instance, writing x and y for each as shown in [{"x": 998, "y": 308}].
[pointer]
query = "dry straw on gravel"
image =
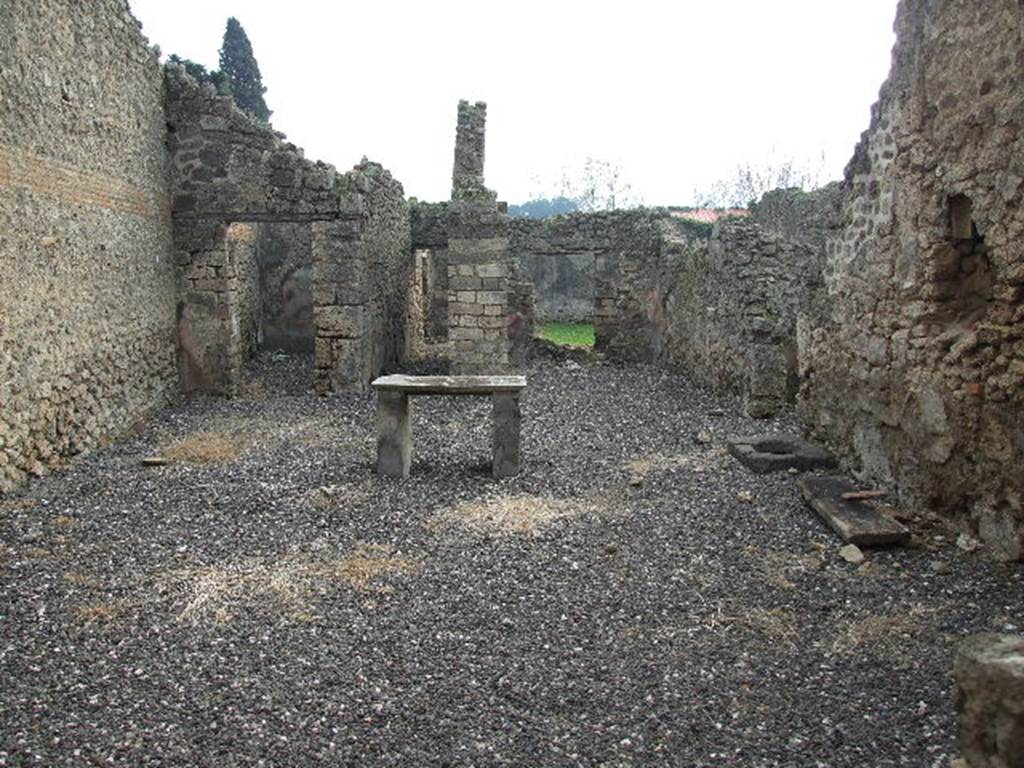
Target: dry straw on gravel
[
  {"x": 289, "y": 584},
  {"x": 203, "y": 447},
  {"x": 878, "y": 632},
  {"x": 520, "y": 514},
  {"x": 695, "y": 461}
]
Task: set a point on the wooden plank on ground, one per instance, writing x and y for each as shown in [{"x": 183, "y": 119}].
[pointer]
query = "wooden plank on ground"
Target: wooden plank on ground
[
  {"x": 855, "y": 522},
  {"x": 449, "y": 385}
]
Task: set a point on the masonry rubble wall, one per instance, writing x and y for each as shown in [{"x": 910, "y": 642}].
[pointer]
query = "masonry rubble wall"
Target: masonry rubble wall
[
  {"x": 361, "y": 294},
  {"x": 87, "y": 297},
  {"x": 230, "y": 169},
  {"x": 732, "y": 303},
  {"x": 619, "y": 254},
  {"x": 914, "y": 370}
]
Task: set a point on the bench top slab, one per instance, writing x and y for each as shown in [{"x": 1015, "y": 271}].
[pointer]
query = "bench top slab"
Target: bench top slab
[{"x": 449, "y": 385}]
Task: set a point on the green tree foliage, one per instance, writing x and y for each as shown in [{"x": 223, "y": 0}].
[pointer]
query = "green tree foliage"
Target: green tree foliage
[
  {"x": 199, "y": 73},
  {"x": 243, "y": 73}
]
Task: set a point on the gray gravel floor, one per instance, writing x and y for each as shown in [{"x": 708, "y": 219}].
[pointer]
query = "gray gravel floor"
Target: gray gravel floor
[{"x": 617, "y": 604}]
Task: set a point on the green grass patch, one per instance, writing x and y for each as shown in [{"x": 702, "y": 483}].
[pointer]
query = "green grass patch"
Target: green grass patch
[{"x": 569, "y": 334}]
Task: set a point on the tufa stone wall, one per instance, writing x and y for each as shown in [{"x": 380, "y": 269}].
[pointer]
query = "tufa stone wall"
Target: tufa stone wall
[
  {"x": 87, "y": 298},
  {"x": 914, "y": 368},
  {"x": 731, "y": 309}
]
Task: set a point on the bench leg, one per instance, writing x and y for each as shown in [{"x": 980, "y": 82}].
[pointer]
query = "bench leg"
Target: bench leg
[
  {"x": 394, "y": 434},
  {"x": 507, "y": 418}
]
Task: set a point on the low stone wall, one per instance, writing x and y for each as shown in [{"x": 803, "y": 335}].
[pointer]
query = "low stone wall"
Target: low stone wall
[{"x": 87, "y": 297}]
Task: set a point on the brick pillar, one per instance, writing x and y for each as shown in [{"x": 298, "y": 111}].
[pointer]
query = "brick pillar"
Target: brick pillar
[
  {"x": 478, "y": 256},
  {"x": 478, "y": 288}
]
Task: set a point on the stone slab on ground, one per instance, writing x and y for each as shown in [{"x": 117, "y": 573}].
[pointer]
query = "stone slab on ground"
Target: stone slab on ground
[
  {"x": 450, "y": 385},
  {"x": 989, "y": 671},
  {"x": 777, "y": 453},
  {"x": 856, "y": 522}
]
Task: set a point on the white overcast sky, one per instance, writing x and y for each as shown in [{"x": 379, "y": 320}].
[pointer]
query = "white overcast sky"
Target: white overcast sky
[{"x": 677, "y": 93}]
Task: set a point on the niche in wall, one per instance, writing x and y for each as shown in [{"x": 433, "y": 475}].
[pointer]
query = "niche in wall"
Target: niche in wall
[{"x": 962, "y": 271}]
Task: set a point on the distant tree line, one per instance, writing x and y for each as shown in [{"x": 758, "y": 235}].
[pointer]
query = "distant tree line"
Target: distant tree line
[
  {"x": 597, "y": 185},
  {"x": 239, "y": 74}
]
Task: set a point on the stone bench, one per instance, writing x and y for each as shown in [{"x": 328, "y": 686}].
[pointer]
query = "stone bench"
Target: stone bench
[{"x": 394, "y": 431}]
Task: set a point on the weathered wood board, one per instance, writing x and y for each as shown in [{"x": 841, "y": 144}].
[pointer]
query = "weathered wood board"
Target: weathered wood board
[{"x": 855, "y": 522}]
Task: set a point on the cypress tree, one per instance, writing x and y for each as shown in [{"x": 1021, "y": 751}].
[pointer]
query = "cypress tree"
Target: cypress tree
[{"x": 239, "y": 65}]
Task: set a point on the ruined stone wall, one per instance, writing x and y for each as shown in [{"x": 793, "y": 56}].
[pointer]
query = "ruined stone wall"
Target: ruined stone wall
[
  {"x": 799, "y": 216},
  {"x": 87, "y": 287},
  {"x": 229, "y": 166},
  {"x": 350, "y": 282},
  {"x": 621, "y": 253},
  {"x": 364, "y": 266},
  {"x": 915, "y": 371},
  {"x": 731, "y": 307}
]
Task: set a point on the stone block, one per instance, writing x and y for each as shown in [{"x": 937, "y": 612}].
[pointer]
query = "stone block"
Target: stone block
[
  {"x": 465, "y": 334},
  {"x": 491, "y": 297},
  {"x": 394, "y": 434},
  {"x": 507, "y": 419},
  {"x": 458, "y": 283},
  {"x": 779, "y": 452},
  {"x": 989, "y": 671},
  {"x": 492, "y": 270}
]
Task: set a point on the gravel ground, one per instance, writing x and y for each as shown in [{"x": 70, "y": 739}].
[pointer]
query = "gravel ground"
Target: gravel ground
[{"x": 633, "y": 598}]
